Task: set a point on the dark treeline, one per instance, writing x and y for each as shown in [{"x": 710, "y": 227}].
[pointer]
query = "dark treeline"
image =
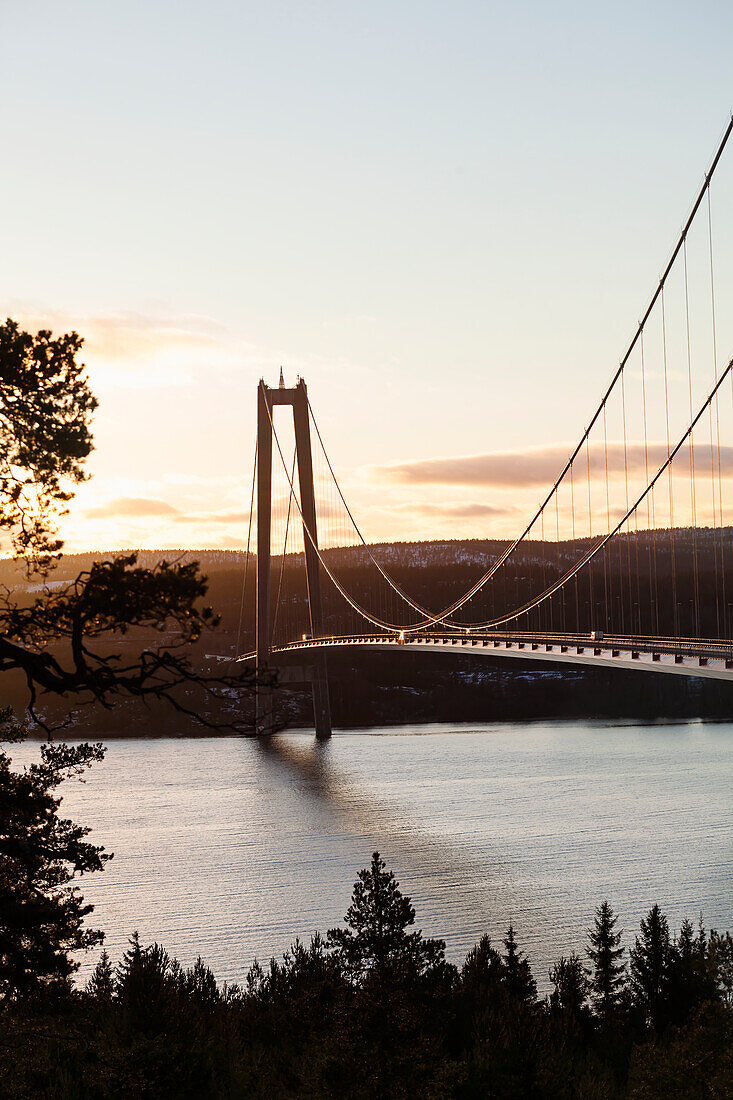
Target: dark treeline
[
  {"x": 656, "y": 581},
  {"x": 373, "y": 1009}
]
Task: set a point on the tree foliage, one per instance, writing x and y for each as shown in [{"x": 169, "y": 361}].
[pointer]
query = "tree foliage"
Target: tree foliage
[
  {"x": 376, "y": 939},
  {"x": 605, "y": 953},
  {"x": 46, "y": 407},
  {"x": 570, "y": 989},
  {"x": 519, "y": 980},
  {"x": 63, "y": 641},
  {"x": 41, "y": 912},
  {"x": 650, "y": 959}
]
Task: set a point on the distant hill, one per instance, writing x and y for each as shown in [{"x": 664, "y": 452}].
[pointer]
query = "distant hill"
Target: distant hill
[{"x": 433, "y": 552}]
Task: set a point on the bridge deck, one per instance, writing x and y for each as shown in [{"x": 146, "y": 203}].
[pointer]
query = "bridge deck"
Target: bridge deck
[{"x": 686, "y": 657}]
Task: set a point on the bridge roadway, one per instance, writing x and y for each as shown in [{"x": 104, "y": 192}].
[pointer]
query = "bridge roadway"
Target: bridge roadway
[{"x": 680, "y": 656}]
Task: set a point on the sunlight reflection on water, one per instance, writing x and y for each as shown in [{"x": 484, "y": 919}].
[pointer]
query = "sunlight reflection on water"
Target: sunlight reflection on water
[{"x": 230, "y": 848}]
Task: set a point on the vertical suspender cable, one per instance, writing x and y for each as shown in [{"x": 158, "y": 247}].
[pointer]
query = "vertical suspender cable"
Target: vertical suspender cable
[
  {"x": 572, "y": 509},
  {"x": 717, "y": 416},
  {"x": 285, "y": 544},
  {"x": 246, "y": 556},
  {"x": 591, "y": 597},
  {"x": 693, "y": 489},
  {"x": 606, "y": 557},
  {"x": 626, "y": 488},
  {"x": 673, "y": 557},
  {"x": 651, "y": 519}
]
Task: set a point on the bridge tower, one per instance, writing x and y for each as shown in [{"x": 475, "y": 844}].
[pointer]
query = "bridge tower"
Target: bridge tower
[{"x": 297, "y": 397}]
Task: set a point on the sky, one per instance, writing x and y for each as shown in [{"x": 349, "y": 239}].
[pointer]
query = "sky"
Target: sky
[{"x": 447, "y": 218}]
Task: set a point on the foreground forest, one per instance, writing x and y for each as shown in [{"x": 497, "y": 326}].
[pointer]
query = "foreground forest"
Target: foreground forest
[{"x": 373, "y": 1009}]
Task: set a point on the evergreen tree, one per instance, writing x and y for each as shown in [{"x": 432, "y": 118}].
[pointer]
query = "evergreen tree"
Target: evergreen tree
[
  {"x": 517, "y": 974},
  {"x": 481, "y": 986},
  {"x": 41, "y": 913},
  {"x": 720, "y": 963},
  {"x": 146, "y": 987},
  {"x": 608, "y": 974},
  {"x": 690, "y": 981},
  {"x": 400, "y": 985},
  {"x": 482, "y": 973},
  {"x": 101, "y": 985},
  {"x": 570, "y": 982},
  {"x": 650, "y": 967},
  {"x": 376, "y": 939}
]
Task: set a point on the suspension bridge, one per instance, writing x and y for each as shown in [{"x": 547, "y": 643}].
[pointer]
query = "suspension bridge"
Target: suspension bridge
[{"x": 625, "y": 563}]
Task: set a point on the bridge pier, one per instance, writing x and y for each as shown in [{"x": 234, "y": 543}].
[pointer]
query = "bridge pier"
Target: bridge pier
[
  {"x": 297, "y": 397},
  {"x": 321, "y": 699}
]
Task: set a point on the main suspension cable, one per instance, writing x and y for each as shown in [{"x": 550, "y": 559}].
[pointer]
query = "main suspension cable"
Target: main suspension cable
[
  {"x": 444, "y": 616},
  {"x": 543, "y": 596}
]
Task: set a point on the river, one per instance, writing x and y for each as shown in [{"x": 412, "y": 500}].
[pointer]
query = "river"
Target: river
[{"x": 230, "y": 848}]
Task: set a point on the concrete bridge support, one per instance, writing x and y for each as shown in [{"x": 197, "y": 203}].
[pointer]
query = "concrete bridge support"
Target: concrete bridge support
[{"x": 267, "y": 399}]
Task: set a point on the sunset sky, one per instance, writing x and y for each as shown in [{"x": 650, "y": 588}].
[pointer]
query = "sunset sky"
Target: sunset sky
[{"x": 447, "y": 218}]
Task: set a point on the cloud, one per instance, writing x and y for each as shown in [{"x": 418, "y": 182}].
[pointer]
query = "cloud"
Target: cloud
[
  {"x": 537, "y": 467},
  {"x": 144, "y": 351},
  {"x": 132, "y": 350},
  {"x": 132, "y": 506},
  {"x": 465, "y": 510}
]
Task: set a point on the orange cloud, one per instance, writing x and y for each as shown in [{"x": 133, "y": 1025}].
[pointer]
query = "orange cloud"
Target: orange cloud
[
  {"x": 540, "y": 466},
  {"x": 460, "y": 511}
]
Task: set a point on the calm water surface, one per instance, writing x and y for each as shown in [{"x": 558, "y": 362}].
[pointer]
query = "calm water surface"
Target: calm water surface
[{"x": 230, "y": 848}]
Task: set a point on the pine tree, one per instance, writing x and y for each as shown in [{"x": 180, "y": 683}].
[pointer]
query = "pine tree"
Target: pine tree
[
  {"x": 101, "y": 985},
  {"x": 720, "y": 965},
  {"x": 650, "y": 967},
  {"x": 41, "y": 910},
  {"x": 482, "y": 971},
  {"x": 376, "y": 940},
  {"x": 60, "y": 642},
  {"x": 607, "y": 977},
  {"x": 517, "y": 974},
  {"x": 570, "y": 980},
  {"x": 690, "y": 981}
]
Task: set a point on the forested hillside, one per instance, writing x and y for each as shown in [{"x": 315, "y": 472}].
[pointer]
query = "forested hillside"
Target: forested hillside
[{"x": 405, "y": 687}]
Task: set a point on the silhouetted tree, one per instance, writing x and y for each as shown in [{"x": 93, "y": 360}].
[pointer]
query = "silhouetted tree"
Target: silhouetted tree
[
  {"x": 45, "y": 412},
  {"x": 650, "y": 967},
  {"x": 377, "y": 938},
  {"x": 518, "y": 976},
  {"x": 482, "y": 974},
  {"x": 41, "y": 914},
  {"x": 570, "y": 992},
  {"x": 720, "y": 957},
  {"x": 608, "y": 974},
  {"x": 691, "y": 978},
  {"x": 101, "y": 985},
  {"x": 402, "y": 986},
  {"x": 60, "y": 642}
]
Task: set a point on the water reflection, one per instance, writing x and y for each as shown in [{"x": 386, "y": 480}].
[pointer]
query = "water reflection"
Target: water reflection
[
  {"x": 464, "y": 889},
  {"x": 231, "y": 848}
]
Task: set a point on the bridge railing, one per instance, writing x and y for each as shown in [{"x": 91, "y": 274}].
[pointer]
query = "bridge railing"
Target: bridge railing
[{"x": 713, "y": 648}]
